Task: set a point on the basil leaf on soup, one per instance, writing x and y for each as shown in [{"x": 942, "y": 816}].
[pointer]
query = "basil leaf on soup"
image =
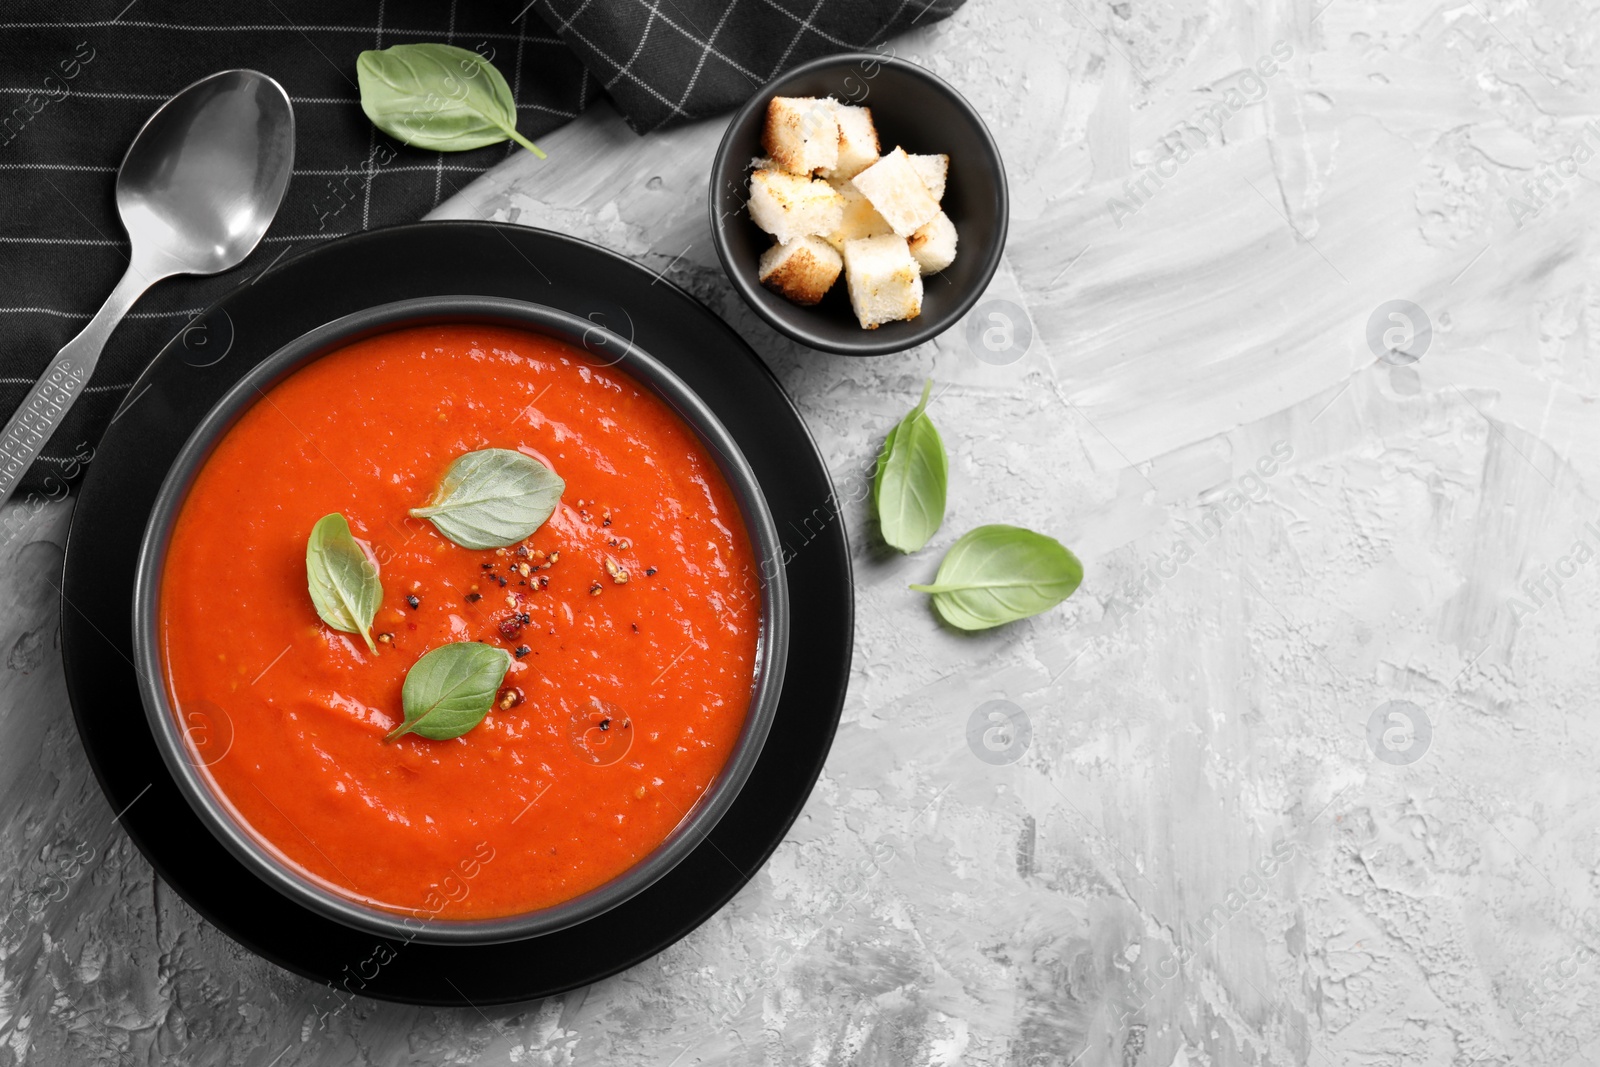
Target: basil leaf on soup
[
  {"x": 909, "y": 490},
  {"x": 343, "y": 582},
  {"x": 438, "y": 96},
  {"x": 450, "y": 689},
  {"x": 999, "y": 574},
  {"x": 493, "y": 498}
]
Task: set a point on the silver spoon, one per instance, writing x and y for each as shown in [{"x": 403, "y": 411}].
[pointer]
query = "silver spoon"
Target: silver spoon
[{"x": 197, "y": 189}]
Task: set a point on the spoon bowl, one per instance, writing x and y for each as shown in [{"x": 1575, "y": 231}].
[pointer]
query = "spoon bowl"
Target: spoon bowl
[{"x": 202, "y": 180}]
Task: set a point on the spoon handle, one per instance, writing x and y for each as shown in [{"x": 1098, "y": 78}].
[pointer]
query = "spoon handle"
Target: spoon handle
[{"x": 53, "y": 395}]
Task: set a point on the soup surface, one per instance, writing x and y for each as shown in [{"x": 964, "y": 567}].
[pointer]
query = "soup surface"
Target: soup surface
[{"x": 632, "y": 616}]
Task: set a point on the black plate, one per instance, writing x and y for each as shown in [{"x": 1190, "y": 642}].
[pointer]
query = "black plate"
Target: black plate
[{"x": 431, "y": 259}]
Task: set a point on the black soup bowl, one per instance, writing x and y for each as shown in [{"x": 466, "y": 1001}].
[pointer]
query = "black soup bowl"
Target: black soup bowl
[
  {"x": 911, "y": 108},
  {"x": 171, "y": 725}
]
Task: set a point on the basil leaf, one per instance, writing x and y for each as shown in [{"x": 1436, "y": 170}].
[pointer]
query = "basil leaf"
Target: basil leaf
[
  {"x": 438, "y": 96},
  {"x": 343, "y": 581},
  {"x": 999, "y": 574},
  {"x": 493, "y": 498},
  {"x": 449, "y": 690},
  {"x": 909, "y": 488}
]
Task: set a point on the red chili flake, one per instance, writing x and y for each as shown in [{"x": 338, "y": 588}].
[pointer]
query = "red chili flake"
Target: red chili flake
[
  {"x": 511, "y": 627},
  {"x": 509, "y": 698}
]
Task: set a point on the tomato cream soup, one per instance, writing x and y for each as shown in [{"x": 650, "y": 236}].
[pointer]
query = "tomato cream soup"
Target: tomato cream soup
[{"x": 626, "y": 617}]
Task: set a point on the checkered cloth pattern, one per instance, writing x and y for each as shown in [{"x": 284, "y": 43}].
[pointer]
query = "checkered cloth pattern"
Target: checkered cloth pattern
[
  {"x": 670, "y": 61},
  {"x": 79, "y": 77}
]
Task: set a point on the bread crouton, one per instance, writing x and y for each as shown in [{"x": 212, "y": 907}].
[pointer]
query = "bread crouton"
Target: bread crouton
[
  {"x": 895, "y": 189},
  {"x": 802, "y": 270},
  {"x": 860, "y": 218},
  {"x": 801, "y": 134},
  {"x": 858, "y": 141},
  {"x": 788, "y": 206},
  {"x": 883, "y": 280},
  {"x": 934, "y": 246},
  {"x": 932, "y": 170}
]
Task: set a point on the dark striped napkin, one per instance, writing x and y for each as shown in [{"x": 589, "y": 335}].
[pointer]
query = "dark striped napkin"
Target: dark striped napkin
[{"x": 80, "y": 78}]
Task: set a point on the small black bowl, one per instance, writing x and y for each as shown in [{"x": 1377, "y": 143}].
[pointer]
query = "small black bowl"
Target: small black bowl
[{"x": 911, "y": 108}]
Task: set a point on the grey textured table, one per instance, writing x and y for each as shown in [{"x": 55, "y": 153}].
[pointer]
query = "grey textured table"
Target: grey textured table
[{"x": 1302, "y": 775}]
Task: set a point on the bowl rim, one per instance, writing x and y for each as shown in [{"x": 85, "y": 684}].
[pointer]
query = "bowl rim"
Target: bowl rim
[
  {"x": 211, "y": 806},
  {"x": 756, "y": 295}
]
